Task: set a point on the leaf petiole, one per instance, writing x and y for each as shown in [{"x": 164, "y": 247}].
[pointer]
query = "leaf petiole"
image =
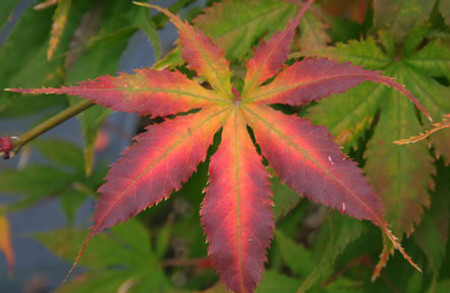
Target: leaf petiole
[{"x": 48, "y": 124}]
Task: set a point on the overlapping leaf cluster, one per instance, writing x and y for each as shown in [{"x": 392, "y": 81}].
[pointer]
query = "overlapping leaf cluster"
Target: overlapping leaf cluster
[
  {"x": 236, "y": 213},
  {"x": 416, "y": 60},
  {"x": 411, "y": 47}
]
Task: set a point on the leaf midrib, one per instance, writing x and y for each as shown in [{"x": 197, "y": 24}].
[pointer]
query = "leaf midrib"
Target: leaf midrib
[
  {"x": 282, "y": 89},
  {"x": 376, "y": 218},
  {"x": 144, "y": 172},
  {"x": 417, "y": 77},
  {"x": 226, "y": 90},
  {"x": 238, "y": 197},
  {"x": 151, "y": 90}
]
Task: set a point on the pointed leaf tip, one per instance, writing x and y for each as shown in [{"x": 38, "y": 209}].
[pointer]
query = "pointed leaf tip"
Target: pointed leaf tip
[
  {"x": 445, "y": 123},
  {"x": 316, "y": 78},
  {"x": 269, "y": 57},
  {"x": 306, "y": 158},
  {"x": 201, "y": 54},
  {"x": 389, "y": 81},
  {"x": 142, "y": 176},
  {"x": 159, "y": 162},
  {"x": 146, "y": 92},
  {"x": 78, "y": 258},
  {"x": 385, "y": 254}
]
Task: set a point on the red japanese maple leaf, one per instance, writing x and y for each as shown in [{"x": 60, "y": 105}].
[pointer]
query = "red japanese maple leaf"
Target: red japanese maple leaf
[{"x": 236, "y": 213}]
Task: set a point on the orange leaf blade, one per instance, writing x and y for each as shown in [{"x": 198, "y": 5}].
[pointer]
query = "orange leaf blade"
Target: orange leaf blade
[
  {"x": 270, "y": 56},
  {"x": 58, "y": 25},
  {"x": 202, "y": 55},
  {"x": 147, "y": 92},
  {"x": 306, "y": 158},
  {"x": 236, "y": 212},
  {"x": 6, "y": 242},
  {"x": 160, "y": 160},
  {"x": 316, "y": 78}
]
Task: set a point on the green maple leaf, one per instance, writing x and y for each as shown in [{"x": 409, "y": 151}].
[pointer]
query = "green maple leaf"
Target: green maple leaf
[
  {"x": 123, "y": 258},
  {"x": 401, "y": 175}
]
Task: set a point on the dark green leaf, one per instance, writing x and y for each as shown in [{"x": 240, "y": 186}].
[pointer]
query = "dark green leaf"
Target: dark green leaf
[
  {"x": 275, "y": 282},
  {"x": 442, "y": 286},
  {"x": 284, "y": 198},
  {"x": 71, "y": 201},
  {"x": 23, "y": 55},
  {"x": 121, "y": 257},
  {"x": 432, "y": 234},
  {"x": 61, "y": 152},
  {"x": 34, "y": 181},
  {"x": 403, "y": 184},
  {"x": 337, "y": 233},
  {"x": 296, "y": 256}
]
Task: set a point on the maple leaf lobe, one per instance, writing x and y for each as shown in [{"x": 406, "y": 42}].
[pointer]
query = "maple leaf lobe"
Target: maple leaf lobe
[
  {"x": 161, "y": 159},
  {"x": 269, "y": 57},
  {"x": 201, "y": 54},
  {"x": 236, "y": 213},
  {"x": 146, "y": 92},
  {"x": 306, "y": 158}
]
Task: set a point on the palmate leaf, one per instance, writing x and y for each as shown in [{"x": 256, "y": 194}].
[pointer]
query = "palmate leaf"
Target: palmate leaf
[
  {"x": 236, "y": 212},
  {"x": 403, "y": 187},
  {"x": 124, "y": 255}
]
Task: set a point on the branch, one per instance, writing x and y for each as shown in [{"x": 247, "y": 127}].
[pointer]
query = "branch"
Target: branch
[{"x": 10, "y": 146}]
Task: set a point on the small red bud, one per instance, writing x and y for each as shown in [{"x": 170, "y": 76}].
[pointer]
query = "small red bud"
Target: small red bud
[{"x": 6, "y": 145}]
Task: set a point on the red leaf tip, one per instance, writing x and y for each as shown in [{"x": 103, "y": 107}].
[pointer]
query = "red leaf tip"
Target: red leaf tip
[
  {"x": 79, "y": 255},
  {"x": 386, "y": 254}
]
